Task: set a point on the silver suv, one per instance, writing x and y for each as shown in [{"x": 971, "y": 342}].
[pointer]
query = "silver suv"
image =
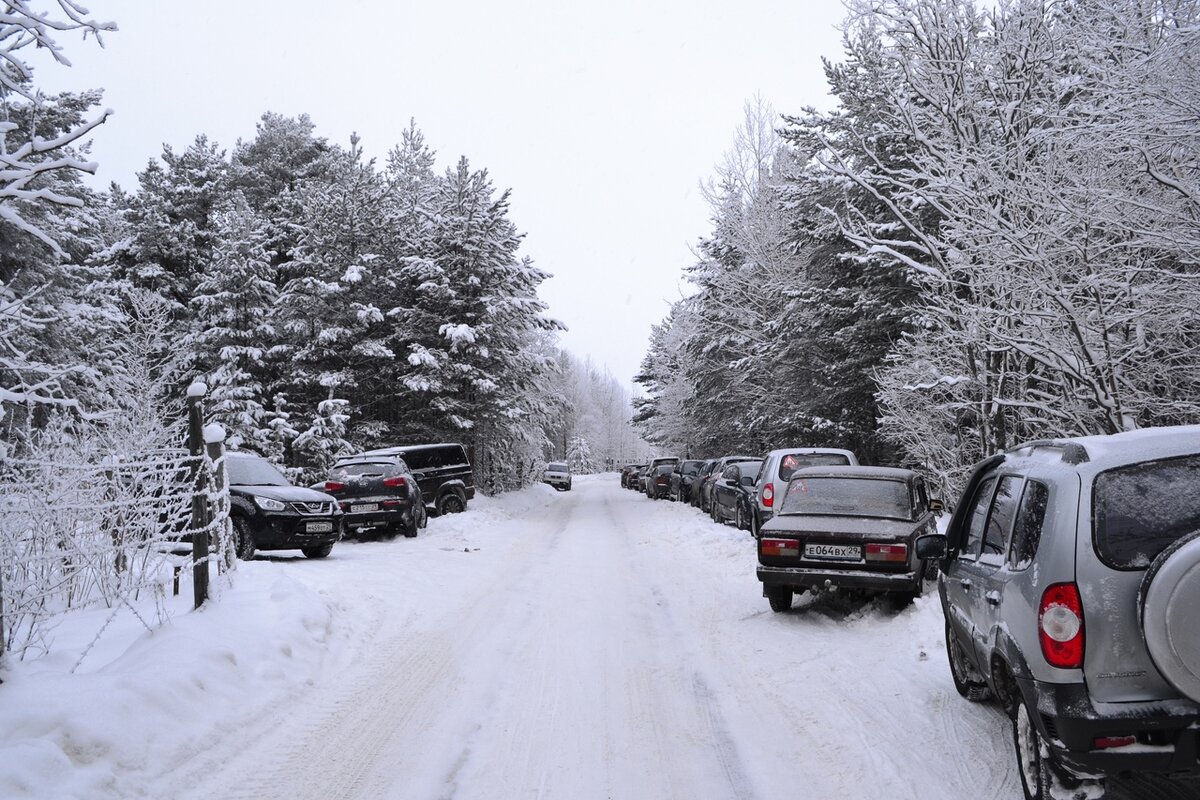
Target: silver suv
[
  {"x": 778, "y": 467},
  {"x": 1070, "y": 584}
]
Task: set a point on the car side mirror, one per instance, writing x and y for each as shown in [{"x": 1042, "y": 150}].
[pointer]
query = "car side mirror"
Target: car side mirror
[
  {"x": 936, "y": 506},
  {"x": 931, "y": 545}
]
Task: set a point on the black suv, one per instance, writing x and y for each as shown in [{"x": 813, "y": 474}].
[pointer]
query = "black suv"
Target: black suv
[
  {"x": 1070, "y": 583},
  {"x": 443, "y": 472},
  {"x": 269, "y": 513},
  {"x": 377, "y": 493}
]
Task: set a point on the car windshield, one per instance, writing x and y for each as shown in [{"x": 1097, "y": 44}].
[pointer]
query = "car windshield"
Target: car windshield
[
  {"x": 690, "y": 467},
  {"x": 557, "y": 467},
  {"x": 851, "y": 497},
  {"x": 1142, "y": 509},
  {"x": 254, "y": 471},
  {"x": 794, "y": 461}
]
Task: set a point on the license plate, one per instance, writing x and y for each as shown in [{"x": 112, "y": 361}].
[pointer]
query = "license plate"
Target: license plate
[
  {"x": 358, "y": 509},
  {"x": 318, "y": 527},
  {"x": 837, "y": 552}
]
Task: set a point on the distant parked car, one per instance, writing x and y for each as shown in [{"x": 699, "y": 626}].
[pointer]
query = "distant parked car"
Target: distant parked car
[
  {"x": 558, "y": 475},
  {"x": 733, "y": 493},
  {"x": 629, "y": 475},
  {"x": 658, "y": 481},
  {"x": 443, "y": 472},
  {"x": 778, "y": 466},
  {"x": 269, "y": 513},
  {"x": 681, "y": 479},
  {"x": 847, "y": 528},
  {"x": 377, "y": 494},
  {"x": 1070, "y": 586},
  {"x": 705, "y": 485},
  {"x": 702, "y": 474},
  {"x": 643, "y": 477}
]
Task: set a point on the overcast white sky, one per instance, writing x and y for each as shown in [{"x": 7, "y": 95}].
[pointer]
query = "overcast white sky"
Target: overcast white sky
[{"x": 602, "y": 118}]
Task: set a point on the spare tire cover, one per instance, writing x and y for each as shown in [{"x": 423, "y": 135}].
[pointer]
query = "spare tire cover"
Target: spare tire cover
[{"x": 1170, "y": 602}]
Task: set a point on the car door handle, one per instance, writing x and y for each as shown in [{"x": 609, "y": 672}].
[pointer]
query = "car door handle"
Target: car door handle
[
  {"x": 993, "y": 597},
  {"x": 964, "y": 582}
]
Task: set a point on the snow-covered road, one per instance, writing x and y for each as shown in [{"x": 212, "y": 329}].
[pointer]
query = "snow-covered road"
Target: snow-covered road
[{"x": 590, "y": 644}]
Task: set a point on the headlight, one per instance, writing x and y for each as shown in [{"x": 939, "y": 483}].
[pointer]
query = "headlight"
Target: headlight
[{"x": 267, "y": 504}]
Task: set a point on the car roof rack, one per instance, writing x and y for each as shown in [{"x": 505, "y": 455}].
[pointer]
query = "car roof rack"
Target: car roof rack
[{"x": 1072, "y": 452}]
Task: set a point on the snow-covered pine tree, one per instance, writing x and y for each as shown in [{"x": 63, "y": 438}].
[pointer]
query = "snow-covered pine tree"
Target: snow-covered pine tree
[{"x": 234, "y": 307}]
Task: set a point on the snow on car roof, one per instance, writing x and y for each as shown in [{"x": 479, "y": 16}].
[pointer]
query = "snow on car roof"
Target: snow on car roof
[
  {"x": 1144, "y": 444},
  {"x": 891, "y": 473}
]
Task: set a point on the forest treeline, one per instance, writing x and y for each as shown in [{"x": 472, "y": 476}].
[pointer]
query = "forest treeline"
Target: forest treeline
[
  {"x": 991, "y": 238},
  {"x": 331, "y": 304}
]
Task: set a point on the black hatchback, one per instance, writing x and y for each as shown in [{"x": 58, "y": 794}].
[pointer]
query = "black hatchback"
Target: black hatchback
[{"x": 269, "y": 513}]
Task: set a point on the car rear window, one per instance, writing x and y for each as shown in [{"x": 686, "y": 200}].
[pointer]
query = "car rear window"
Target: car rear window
[
  {"x": 852, "y": 497},
  {"x": 794, "y": 461},
  {"x": 1140, "y": 510},
  {"x": 383, "y": 468},
  {"x": 690, "y": 467}
]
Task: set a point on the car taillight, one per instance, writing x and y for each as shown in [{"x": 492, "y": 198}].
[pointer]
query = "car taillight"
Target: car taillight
[
  {"x": 1060, "y": 626},
  {"x": 334, "y": 486},
  {"x": 661, "y": 481},
  {"x": 887, "y": 552},
  {"x": 779, "y": 547},
  {"x": 394, "y": 482},
  {"x": 391, "y": 503},
  {"x": 768, "y": 495},
  {"x": 1109, "y": 742}
]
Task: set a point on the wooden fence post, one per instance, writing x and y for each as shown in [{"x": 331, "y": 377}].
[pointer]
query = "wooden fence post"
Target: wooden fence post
[
  {"x": 214, "y": 444},
  {"x": 201, "y": 513}
]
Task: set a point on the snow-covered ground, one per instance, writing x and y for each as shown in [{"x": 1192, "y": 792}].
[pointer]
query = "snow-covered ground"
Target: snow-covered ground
[{"x": 590, "y": 644}]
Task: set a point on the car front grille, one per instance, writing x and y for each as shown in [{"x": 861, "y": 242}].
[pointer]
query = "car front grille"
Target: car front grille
[{"x": 313, "y": 509}]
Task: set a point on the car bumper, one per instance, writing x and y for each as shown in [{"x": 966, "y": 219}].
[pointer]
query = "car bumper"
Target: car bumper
[
  {"x": 293, "y": 531},
  {"x": 556, "y": 482},
  {"x": 383, "y": 518},
  {"x": 1168, "y": 732},
  {"x": 799, "y": 578}
]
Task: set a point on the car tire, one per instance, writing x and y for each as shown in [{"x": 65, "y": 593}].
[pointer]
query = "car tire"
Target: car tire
[
  {"x": 410, "y": 528},
  {"x": 780, "y": 599},
  {"x": 320, "y": 551},
  {"x": 243, "y": 541},
  {"x": 1041, "y": 777},
  {"x": 740, "y": 519},
  {"x": 970, "y": 687},
  {"x": 450, "y": 503},
  {"x": 712, "y": 512}
]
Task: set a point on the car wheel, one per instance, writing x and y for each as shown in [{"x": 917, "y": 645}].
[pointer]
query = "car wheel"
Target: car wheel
[
  {"x": 317, "y": 552},
  {"x": 410, "y": 528},
  {"x": 712, "y": 512},
  {"x": 780, "y": 599},
  {"x": 755, "y": 526},
  {"x": 740, "y": 519},
  {"x": 243, "y": 540},
  {"x": 450, "y": 503},
  {"x": 968, "y": 685},
  {"x": 1041, "y": 777}
]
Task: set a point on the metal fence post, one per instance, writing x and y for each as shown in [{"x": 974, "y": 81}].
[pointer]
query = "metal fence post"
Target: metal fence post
[{"x": 201, "y": 514}]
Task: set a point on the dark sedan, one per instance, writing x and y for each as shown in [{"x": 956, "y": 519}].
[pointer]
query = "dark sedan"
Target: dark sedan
[
  {"x": 682, "y": 479},
  {"x": 847, "y": 528},
  {"x": 733, "y": 493}
]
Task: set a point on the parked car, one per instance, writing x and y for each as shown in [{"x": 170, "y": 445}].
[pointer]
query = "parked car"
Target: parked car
[
  {"x": 627, "y": 472},
  {"x": 704, "y": 486},
  {"x": 377, "y": 494},
  {"x": 778, "y": 467},
  {"x": 847, "y": 528},
  {"x": 1070, "y": 585},
  {"x": 732, "y": 493},
  {"x": 643, "y": 476},
  {"x": 658, "y": 481},
  {"x": 705, "y": 470},
  {"x": 681, "y": 479},
  {"x": 443, "y": 472},
  {"x": 269, "y": 513},
  {"x": 558, "y": 475}
]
